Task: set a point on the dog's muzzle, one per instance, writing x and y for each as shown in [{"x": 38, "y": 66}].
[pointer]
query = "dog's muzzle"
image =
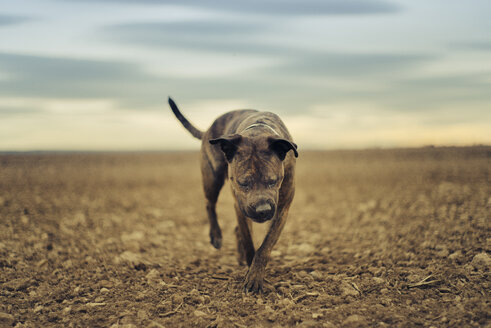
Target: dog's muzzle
[{"x": 262, "y": 212}]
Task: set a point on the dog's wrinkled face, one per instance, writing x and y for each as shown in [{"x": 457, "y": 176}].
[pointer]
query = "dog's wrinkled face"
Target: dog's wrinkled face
[{"x": 256, "y": 172}]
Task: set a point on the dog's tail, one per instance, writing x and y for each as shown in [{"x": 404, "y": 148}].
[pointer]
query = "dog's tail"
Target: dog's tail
[{"x": 195, "y": 132}]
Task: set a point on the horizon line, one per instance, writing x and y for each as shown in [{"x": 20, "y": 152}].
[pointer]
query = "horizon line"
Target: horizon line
[{"x": 123, "y": 151}]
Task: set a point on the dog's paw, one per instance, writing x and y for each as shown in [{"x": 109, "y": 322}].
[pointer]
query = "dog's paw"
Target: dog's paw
[
  {"x": 254, "y": 281},
  {"x": 216, "y": 238}
]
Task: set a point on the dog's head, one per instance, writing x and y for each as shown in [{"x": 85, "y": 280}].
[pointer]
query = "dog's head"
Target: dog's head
[{"x": 256, "y": 171}]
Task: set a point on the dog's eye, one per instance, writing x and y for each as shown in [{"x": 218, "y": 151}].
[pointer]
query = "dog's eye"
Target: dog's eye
[
  {"x": 245, "y": 184},
  {"x": 272, "y": 183}
]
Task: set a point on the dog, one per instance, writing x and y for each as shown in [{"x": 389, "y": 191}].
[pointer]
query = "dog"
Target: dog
[{"x": 255, "y": 151}]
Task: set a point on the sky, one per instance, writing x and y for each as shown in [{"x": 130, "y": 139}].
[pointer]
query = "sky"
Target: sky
[{"x": 96, "y": 74}]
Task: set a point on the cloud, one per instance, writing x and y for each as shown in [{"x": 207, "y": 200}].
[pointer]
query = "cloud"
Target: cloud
[
  {"x": 357, "y": 65},
  {"x": 40, "y": 76},
  {"x": 286, "y": 89},
  {"x": 6, "y": 20},
  {"x": 16, "y": 110},
  {"x": 64, "y": 69},
  {"x": 283, "y": 7},
  {"x": 211, "y": 36},
  {"x": 482, "y": 45},
  {"x": 469, "y": 92},
  {"x": 247, "y": 39},
  {"x": 129, "y": 85}
]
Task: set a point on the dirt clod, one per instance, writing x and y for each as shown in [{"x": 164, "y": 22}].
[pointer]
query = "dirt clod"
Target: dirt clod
[
  {"x": 354, "y": 320},
  {"x": 6, "y": 319},
  {"x": 19, "y": 284},
  {"x": 481, "y": 261}
]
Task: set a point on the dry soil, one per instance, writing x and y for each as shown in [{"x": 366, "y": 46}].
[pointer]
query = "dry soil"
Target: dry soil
[{"x": 383, "y": 238}]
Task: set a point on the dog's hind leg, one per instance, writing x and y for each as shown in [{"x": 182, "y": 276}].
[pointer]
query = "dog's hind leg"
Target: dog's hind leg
[{"x": 212, "y": 184}]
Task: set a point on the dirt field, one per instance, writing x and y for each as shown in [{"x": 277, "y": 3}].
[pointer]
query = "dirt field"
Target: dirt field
[{"x": 383, "y": 238}]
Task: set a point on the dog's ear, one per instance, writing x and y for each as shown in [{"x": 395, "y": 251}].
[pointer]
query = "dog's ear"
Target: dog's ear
[
  {"x": 228, "y": 144},
  {"x": 282, "y": 146}
]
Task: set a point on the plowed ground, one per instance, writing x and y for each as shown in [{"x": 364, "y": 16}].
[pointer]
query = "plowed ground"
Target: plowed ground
[{"x": 383, "y": 238}]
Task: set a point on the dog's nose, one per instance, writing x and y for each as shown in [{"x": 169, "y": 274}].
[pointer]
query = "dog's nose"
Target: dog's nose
[
  {"x": 263, "y": 208},
  {"x": 264, "y": 211}
]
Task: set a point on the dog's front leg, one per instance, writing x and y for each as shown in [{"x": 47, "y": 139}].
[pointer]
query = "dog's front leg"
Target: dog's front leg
[
  {"x": 255, "y": 276},
  {"x": 245, "y": 245}
]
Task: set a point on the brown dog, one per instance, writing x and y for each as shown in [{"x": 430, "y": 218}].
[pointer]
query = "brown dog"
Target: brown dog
[{"x": 252, "y": 149}]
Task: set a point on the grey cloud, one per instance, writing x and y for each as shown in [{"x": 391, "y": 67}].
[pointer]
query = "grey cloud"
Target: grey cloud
[
  {"x": 432, "y": 94},
  {"x": 280, "y": 91},
  {"x": 6, "y": 111},
  {"x": 11, "y": 20},
  {"x": 38, "y": 76},
  {"x": 183, "y": 29},
  {"x": 283, "y": 7},
  {"x": 426, "y": 93},
  {"x": 468, "y": 81},
  {"x": 63, "y": 69},
  {"x": 125, "y": 83},
  {"x": 484, "y": 45},
  {"x": 195, "y": 35},
  {"x": 130, "y": 87},
  {"x": 348, "y": 64},
  {"x": 245, "y": 39},
  {"x": 441, "y": 117}
]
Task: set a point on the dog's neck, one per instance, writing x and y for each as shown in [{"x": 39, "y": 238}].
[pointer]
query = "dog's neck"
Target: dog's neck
[{"x": 260, "y": 124}]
